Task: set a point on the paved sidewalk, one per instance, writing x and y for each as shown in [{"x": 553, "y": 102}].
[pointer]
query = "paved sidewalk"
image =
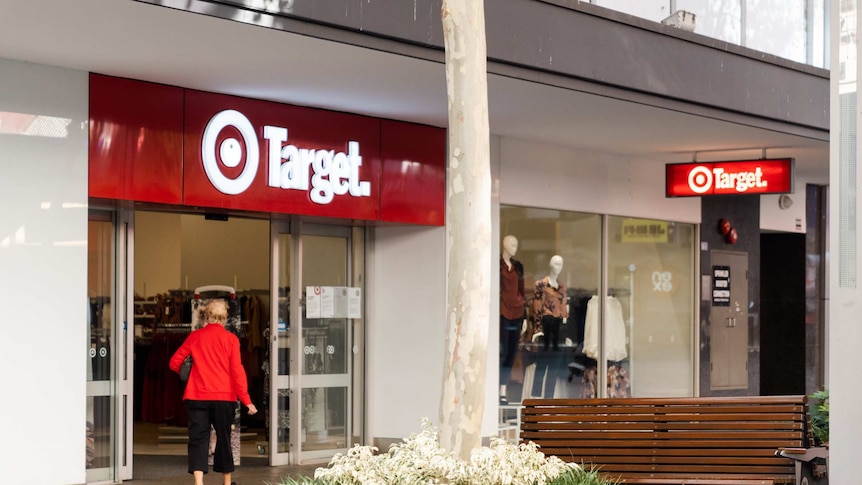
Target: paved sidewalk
[{"x": 171, "y": 470}]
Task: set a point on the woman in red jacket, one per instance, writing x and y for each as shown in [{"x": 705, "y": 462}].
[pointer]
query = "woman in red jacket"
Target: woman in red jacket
[{"x": 216, "y": 381}]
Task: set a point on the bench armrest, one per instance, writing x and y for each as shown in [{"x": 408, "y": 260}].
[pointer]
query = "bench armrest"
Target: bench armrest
[{"x": 804, "y": 454}]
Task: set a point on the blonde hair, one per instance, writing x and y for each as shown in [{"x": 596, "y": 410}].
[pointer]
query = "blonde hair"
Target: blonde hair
[{"x": 216, "y": 311}]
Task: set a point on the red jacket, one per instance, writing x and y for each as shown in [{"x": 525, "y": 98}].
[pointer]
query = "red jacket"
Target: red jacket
[{"x": 217, "y": 373}]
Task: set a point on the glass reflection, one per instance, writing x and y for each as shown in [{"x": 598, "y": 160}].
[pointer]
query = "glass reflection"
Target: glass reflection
[
  {"x": 100, "y": 284},
  {"x": 649, "y": 318},
  {"x": 560, "y": 339},
  {"x": 529, "y": 367},
  {"x": 99, "y": 449},
  {"x": 283, "y": 421},
  {"x": 324, "y": 346},
  {"x": 29, "y": 124},
  {"x": 324, "y": 418}
]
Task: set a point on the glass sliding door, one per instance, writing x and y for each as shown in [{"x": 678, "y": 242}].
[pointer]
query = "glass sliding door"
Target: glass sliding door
[
  {"x": 316, "y": 356},
  {"x": 108, "y": 423},
  {"x": 326, "y": 341}
]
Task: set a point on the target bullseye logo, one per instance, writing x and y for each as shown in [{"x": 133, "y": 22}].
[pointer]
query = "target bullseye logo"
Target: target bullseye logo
[
  {"x": 230, "y": 152},
  {"x": 700, "y": 180},
  {"x": 323, "y": 173}
]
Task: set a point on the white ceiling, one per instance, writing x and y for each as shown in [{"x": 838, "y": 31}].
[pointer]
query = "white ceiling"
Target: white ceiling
[{"x": 141, "y": 41}]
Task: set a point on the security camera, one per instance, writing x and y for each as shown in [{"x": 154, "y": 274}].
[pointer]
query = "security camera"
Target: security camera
[{"x": 681, "y": 19}]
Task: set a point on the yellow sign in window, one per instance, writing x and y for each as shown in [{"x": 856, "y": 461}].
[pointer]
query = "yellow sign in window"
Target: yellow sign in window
[{"x": 644, "y": 231}]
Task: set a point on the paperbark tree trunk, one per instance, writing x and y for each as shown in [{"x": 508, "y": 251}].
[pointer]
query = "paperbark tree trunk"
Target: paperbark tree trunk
[{"x": 468, "y": 224}]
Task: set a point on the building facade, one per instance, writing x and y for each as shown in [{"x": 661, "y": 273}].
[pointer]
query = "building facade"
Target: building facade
[{"x": 125, "y": 162}]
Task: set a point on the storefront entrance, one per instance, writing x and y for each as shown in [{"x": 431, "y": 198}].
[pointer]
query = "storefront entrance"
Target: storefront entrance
[
  {"x": 300, "y": 348},
  {"x": 219, "y": 190}
]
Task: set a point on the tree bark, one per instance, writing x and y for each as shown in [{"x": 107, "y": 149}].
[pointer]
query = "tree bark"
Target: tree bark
[{"x": 468, "y": 224}]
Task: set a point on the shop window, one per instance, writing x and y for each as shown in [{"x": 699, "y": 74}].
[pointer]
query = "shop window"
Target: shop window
[{"x": 637, "y": 342}]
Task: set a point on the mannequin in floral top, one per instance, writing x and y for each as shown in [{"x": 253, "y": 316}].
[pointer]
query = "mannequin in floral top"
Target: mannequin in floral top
[{"x": 550, "y": 310}]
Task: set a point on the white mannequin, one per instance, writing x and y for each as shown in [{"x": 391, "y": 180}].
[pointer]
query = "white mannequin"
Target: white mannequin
[
  {"x": 510, "y": 248},
  {"x": 555, "y": 266}
]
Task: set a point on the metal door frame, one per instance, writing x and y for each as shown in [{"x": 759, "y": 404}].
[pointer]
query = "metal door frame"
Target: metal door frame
[
  {"x": 294, "y": 380},
  {"x": 121, "y": 385}
]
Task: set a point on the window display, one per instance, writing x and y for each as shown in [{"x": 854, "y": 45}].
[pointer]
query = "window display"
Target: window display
[{"x": 558, "y": 339}]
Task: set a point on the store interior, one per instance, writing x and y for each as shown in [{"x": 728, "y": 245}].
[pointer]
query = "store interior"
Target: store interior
[{"x": 175, "y": 254}]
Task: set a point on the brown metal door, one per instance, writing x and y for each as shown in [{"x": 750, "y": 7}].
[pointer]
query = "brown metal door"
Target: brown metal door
[{"x": 728, "y": 319}]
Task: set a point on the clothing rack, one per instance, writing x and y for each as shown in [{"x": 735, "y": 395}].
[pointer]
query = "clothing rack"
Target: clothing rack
[
  {"x": 174, "y": 326},
  {"x": 618, "y": 292}
]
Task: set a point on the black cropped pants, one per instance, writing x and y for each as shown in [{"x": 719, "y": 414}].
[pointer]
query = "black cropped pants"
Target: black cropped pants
[{"x": 202, "y": 415}]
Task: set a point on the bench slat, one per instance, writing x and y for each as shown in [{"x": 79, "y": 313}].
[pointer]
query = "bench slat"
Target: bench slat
[
  {"x": 722, "y": 425},
  {"x": 658, "y": 401},
  {"x": 666, "y": 435},
  {"x": 666, "y": 409},
  {"x": 706, "y": 444},
  {"x": 698, "y": 452},
  {"x": 665, "y": 418},
  {"x": 751, "y": 471},
  {"x": 708, "y": 480},
  {"x": 588, "y": 457}
]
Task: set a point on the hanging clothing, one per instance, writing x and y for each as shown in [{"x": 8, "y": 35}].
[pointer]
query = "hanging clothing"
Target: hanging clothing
[
  {"x": 511, "y": 289},
  {"x": 615, "y": 330},
  {"x": 618, "y": 382}
]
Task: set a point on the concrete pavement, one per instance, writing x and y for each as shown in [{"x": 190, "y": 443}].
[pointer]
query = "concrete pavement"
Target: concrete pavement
[{"x": 171, "y": 470}]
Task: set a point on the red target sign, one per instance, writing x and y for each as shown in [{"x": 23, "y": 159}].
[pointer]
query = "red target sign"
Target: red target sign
[{"x": 773, "y": 176}]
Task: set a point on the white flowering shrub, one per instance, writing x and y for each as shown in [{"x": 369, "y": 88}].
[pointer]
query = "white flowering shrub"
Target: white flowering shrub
[
  {"x": 419, "y": 460},
  {"x": 503, "y": 463}
]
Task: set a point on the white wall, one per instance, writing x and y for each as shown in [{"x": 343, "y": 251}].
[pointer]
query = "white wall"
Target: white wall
[
  {"x": 535, "y": 174},
  {"x": 843, "y": 322},
  {"x": 406, "y": 328},
  {"x": 792, "y": 219},
  {"x": 43, "y": 275}
]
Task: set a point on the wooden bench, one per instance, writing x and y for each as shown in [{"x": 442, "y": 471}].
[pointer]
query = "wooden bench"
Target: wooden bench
[{"x": 710, "y": 440}]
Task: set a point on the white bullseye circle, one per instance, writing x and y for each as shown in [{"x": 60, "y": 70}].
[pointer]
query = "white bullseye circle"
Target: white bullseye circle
[
  {"x": 231, "y": 152},
  {"x": 700, "y": 180}
]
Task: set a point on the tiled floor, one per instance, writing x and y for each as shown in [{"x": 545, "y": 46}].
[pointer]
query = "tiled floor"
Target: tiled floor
[
  {"x": 157, "y": 462},
  {"x": 171, "y": 470},
  {"x": 147, "y": 440}
]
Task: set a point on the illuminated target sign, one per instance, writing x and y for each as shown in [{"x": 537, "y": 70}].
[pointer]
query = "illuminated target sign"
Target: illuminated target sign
[
  {"x": 332, "y": 173},
  {"x": 772, "y": 176},
  {"x": 246, "y": 154}
]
